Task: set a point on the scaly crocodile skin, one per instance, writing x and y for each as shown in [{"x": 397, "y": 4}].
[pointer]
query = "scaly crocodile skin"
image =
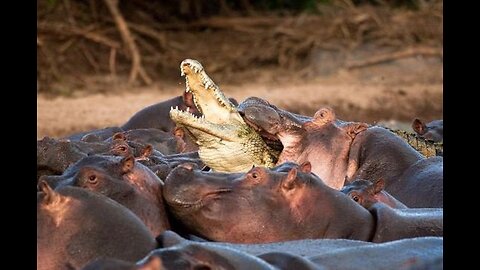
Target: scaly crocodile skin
[{"x": 226, "y": 143}]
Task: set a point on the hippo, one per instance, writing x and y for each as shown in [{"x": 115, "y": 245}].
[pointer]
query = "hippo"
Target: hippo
[
  {"x": 187, "y": 256},
  {"x": 343, "y": 151},
  {"x": 123, "y": 180},
  {"x": 100, "y": 134},
  {"x": 55, "y": 155},
  {"x": 264, "y": 205},
  {"x": 411, "y": 178},
  {"x": 166, "y": 143},
  {"x": 324, "y": 141},
  {"x": 75, "y": 226},
  {"x": 421, "y": 185},
  {"x": 159, "y": 163},
  {"x": 94, "y": 135},
  {"x": 431, "y": 131},
  {"x": 366, "y": 193},
  {"x": 413, "y": 253},
  {"x": 157, "y": 115}
]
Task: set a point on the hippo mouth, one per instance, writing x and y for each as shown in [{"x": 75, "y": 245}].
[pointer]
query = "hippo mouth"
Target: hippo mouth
[
  {"x": 270, "y": 139},
  {"x": 194, "y": 205}
]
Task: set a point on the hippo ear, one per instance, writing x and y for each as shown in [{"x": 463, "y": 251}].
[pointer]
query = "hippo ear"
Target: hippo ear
[
  {"x": 127, "y": 163},
  {"x": 179, "y": 132},
  {"x": 324, "y": 116},
  {"x": 419, "y": 127},
  {"x": 378, "y": 185},
  {"x": 354, "y": 128},
  {"x": 119, "y": 136},
  {"x": 306, "y": 167},
  {"x": 188, "y": 165},
  {"x": 289, "y": 182},
  {"x": 51, "y": 180},
  {"x": 152, "y": 263},
  {"x": 50, "y": 195},
  {"x": 147, "y": 151}
]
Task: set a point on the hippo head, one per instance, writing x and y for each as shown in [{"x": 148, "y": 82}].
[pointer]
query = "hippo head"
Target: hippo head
[
  {"x": 431, "y": 131},
  {"x": 54, "y": 156},
  {"x": 76, "y": 219},
  {"x": 326, "y": 143},
  {"x": 92, "y": 172},
  {"x": 261, "y": 205},
  {"x": 121, "y": 179},
  {"x": 363, "y": 191},
  {"x": 268, "y": 120}
]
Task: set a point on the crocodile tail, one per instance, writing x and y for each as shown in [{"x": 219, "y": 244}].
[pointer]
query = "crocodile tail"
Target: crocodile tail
[{"x": 426, "y": 147}]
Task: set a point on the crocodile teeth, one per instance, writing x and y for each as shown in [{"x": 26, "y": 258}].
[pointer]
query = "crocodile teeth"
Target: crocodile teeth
[{"x": 187, "y": 85}]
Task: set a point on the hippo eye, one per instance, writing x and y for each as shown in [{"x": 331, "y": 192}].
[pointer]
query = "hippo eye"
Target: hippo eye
[
  {"x": 254, "y": 175},
  {"x": 92, "y": 179},
  {"x": 355, "y": 198}
]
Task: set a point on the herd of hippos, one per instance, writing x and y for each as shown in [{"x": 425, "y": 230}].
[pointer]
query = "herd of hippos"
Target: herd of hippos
[{"x": 201, "y": 181}]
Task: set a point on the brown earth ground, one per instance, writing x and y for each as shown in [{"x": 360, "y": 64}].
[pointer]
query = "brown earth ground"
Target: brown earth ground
[
  {"x": 369, "y": 63},
  {"x": 399, "y": 90}
]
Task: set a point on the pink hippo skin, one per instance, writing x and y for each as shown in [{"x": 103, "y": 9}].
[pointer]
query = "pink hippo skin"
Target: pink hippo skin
[
  {"x": 341, "y": 151},
  {"x": 123, "y": 180},
  {"x": 263, "y": 206},
  {"x": 323, "y": 140},
  {"x": 366, "y": 193},
  {"x": 75, "y": 226},
  {"x": 285, "y": 203}
]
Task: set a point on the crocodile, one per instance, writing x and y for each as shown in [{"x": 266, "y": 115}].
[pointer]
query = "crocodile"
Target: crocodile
[
  {"x": 426, "y": 147},
  {"x": 259, "y": 114},
  {"x": 226, "y": 143}
]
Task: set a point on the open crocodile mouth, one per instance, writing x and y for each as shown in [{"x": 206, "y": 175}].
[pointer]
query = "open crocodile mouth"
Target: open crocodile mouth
[
  {"x": 214, "y": 105},
  {"x": 194, "y": 205}
]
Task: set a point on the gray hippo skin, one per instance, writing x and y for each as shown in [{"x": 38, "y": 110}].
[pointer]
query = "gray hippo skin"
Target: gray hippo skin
[
  {"x": 414, "y": 180},
  {"x": 431, "y": 131},
  {"x": 95, "y": 135},
  {"x": 366, "y": 193},
  {"x": 179, "y": 253},
  {"x": 54, "y": 156},
  {"x": 342, "y": 152},
  {"x": 123, "y": 180},
  {"x": 164, "y": 142},
  {"x": 157, "y": 115},
  {"x": 263, "y": 206},
  {"x": 75, "y": 226}
]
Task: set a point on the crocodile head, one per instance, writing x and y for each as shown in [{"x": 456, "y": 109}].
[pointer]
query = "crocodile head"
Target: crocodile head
[{"x": 226, "y": 143}]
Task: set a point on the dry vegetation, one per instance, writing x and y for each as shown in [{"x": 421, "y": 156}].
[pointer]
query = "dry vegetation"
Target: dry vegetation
[{"x": 101, "y": 61}]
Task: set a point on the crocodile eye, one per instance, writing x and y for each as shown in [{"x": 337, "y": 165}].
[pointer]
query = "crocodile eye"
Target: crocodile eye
[
  {"x": 92, "y": 179},
  {"x": 122, "y": 148}
]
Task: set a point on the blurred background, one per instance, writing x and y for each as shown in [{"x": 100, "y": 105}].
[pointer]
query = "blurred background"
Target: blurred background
[{"x": 376, "y": 61}]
